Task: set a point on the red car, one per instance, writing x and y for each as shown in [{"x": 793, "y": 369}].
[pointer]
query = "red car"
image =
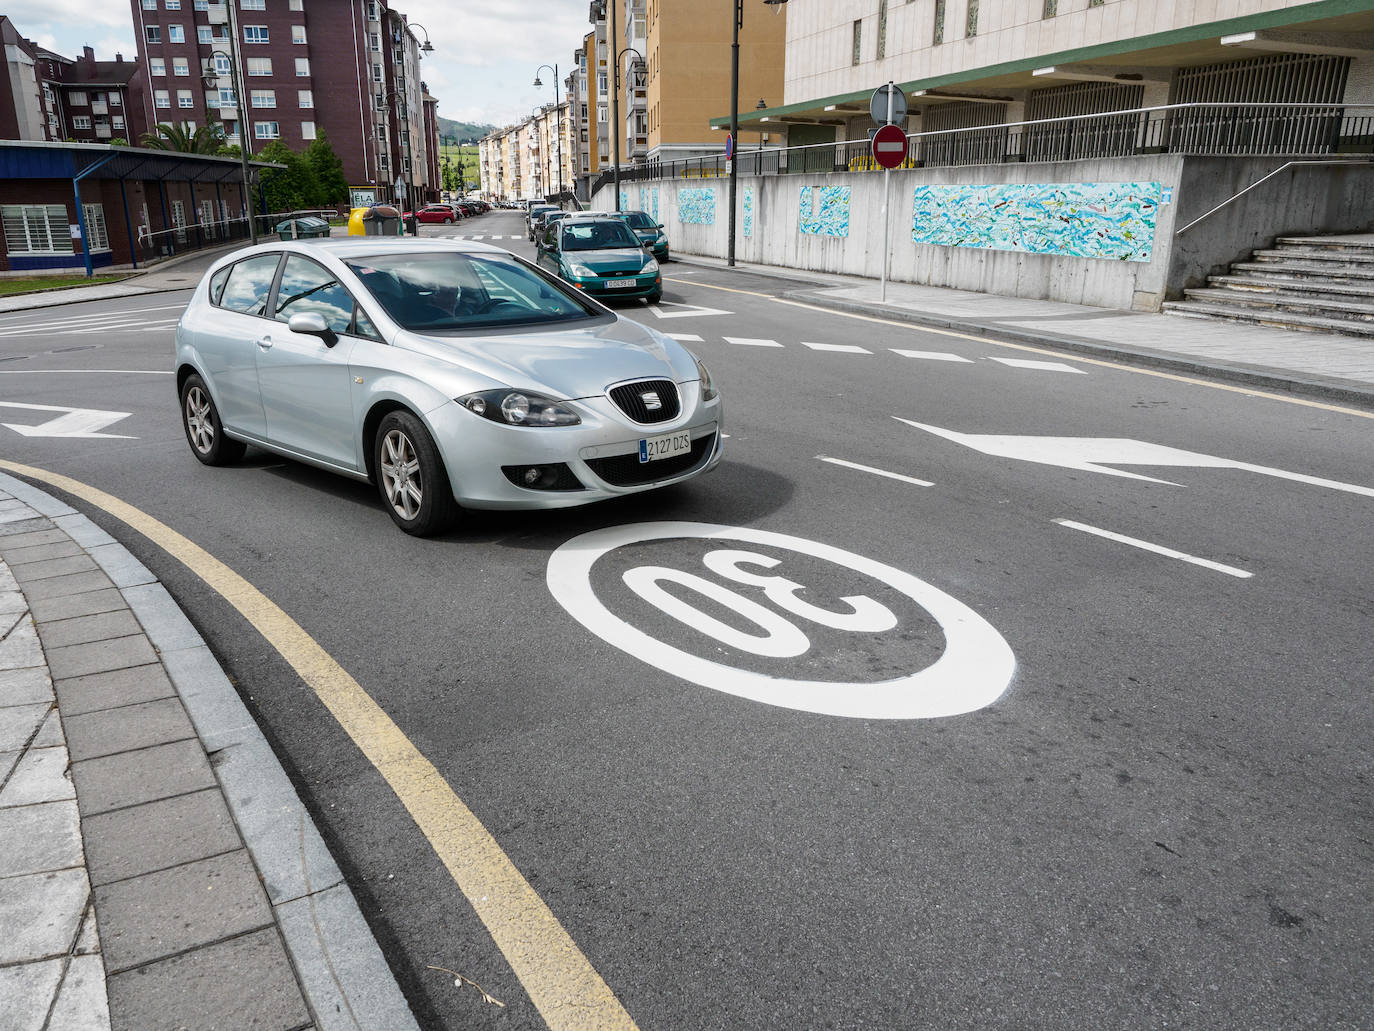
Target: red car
[{"x": 432, "y": 213}]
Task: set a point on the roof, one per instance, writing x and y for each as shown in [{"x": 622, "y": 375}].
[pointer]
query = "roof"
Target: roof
[{"x": 34, "y": 159}]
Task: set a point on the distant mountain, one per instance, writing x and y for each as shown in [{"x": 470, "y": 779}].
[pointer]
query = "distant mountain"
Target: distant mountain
[{"x": 466, "y": 132}]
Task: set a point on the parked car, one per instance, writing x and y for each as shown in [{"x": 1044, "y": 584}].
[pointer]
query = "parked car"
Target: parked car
[
  {"x": 534, "y": 219},
  {"x": 451, "y": 374},
  {"x": 600, "y": 255},
  {"x": 432, "y": 213},
  {"x": 649, "y": 230}
]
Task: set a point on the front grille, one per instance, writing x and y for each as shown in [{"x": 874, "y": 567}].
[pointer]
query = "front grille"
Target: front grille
[
  {"x": 629, "y": 471},
  {"x": 629, "y": 398}
]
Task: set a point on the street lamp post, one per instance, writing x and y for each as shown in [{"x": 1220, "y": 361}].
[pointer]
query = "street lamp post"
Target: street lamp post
[
  {"x": 611, "y": 19},
  {"x": 734, "y": 118},
  {"x": 212, "y": 82},
  {"x": 558, "y": 109},
  {"x": 641, "y": 64},
  {"x": 404, "y": 113}
]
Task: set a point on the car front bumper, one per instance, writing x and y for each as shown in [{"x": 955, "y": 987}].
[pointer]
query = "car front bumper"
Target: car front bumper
[
  {"x": 601, "y": 452},
  {"x": 598, "y": 287}
]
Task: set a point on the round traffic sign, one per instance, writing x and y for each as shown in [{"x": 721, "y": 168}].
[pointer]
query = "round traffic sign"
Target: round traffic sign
[
  {"x": 889, "y": 146},
  {"x": 729, "y": 148}
]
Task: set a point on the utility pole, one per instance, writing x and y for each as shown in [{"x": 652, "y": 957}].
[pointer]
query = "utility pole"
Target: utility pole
[
  {"x": 734, "y": 127},
  {"x": 615, "y": 100},
  {"x": 240, "y": 96}
]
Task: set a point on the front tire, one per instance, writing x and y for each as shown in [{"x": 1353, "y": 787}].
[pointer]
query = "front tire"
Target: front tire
[
  {"x": 656, "y": 296},
  {"x": 200, "y": 420},
  {"x": 411, "y": 477}
]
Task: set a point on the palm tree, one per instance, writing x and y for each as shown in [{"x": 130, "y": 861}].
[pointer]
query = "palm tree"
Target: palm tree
[{"x": 206, "y": 139}]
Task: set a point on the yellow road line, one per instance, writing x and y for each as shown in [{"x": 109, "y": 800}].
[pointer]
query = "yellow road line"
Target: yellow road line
[
  {"x": 1157, "y": 373},
  {"x": 569, "y": 994}
]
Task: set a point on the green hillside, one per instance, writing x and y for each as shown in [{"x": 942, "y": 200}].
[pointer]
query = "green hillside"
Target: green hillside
[{"x": 467, "y": 132}]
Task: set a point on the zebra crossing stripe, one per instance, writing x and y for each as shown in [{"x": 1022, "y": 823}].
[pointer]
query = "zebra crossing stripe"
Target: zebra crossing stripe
[
  {"x": 933, "y": 356},
  {"x": 751, "y": 342},
  {"x": 686, "y": 338},
  {"x": 1027, "y": 363},
  {"x": 841, "y": 348}
]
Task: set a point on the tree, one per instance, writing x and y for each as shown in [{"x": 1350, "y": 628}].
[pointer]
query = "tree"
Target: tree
[
  {"x": 290, "y": 188},
  {"x": 205, "y": 139},
  {"x": 331, "y": 187}
]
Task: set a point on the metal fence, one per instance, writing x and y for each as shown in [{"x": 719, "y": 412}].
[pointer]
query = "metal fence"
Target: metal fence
[
  {"x": 195, "y": 236},
  {"x": 1291, "y": 130}
]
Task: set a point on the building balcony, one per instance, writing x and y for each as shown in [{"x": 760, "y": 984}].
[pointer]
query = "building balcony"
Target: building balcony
[
  {"x": 102, "y": 132},
  {"x": 228, "y": 114},
  {"x": 98, "y": 107}
]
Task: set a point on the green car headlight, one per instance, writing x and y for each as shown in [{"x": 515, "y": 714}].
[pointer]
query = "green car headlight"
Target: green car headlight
[{"x": 581, "y": 271}]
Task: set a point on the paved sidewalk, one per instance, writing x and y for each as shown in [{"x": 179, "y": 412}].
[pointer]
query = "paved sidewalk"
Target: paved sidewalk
[
  {"x": 175, "y": 274},
  {"x": 137, "y": 796},
  {"x": 1319, "y": 364}
]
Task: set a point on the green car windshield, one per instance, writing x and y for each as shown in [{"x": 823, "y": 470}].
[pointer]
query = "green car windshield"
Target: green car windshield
[
  {"x": 602, "y": 235},
  {"x": 450, "y": 291},
  {"x": 640, "y": 220}
]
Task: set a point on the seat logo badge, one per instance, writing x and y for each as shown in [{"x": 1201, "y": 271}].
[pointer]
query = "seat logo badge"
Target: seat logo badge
[{"x": 651, "y": 401}]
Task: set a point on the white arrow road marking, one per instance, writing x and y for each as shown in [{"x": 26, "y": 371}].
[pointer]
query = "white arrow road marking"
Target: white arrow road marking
[
  {"x": 1156, "y": 548},
  {"x": 74, "y": 422},
  {"x": 1091, "y": 454},
  {"x": 841, "y": 348},
  {"x": 684, "y": 311},
  {"x": 1027, "y": 363},
  {"x": 875, "y": 472},
  {"x": 933, "y": 356}
]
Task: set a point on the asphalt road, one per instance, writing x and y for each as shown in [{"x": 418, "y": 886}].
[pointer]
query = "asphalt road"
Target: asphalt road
[{"x": 1164, "y": 820}]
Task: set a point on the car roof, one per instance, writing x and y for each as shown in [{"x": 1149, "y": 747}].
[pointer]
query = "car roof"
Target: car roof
[{"x": 346, "y": 247}]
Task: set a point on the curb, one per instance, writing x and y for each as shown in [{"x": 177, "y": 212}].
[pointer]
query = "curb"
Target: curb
[
  {"x": 53, "y": 297},
  {"x": 1255, "y": 376},
  {"x": 346, "y": 981}
]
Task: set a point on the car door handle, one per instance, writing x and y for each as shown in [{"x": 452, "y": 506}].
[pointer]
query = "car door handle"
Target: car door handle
[{"x": 265, "y": 343}]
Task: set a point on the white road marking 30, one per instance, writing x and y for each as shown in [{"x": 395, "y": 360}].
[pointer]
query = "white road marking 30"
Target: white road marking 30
[
  {"x": 1157, "y": 549},
  {"x": 1093, "y": 454},
  {"x": 73, "y": 422},
  {"x": 974, "y": 670}
]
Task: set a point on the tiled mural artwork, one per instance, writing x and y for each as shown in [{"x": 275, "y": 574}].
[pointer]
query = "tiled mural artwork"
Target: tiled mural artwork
[
  {"x": 624, "y": 201},
  {"x": 697, "y": 206},
  {"x": 748, "y": 211},
  {"x": 824, "y": 211},
  {"x": 1113, "y": 221},
  {"x": 648, "y": 201}
]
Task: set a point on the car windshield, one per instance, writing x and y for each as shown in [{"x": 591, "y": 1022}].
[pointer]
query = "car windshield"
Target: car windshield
[
  {"x": 450, "y": 291},
  {"x": 640, "y": 220},
  {"x": 597, "y": 236}
]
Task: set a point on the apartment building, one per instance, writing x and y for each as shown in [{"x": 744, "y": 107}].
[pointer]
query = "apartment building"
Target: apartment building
[
  {"x": 47, "y": 96},
  {"x": 970, "y": 63},
  {"x": 347, "y": 67}
]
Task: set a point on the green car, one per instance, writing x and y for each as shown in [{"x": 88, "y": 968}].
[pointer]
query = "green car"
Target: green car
[
  {"x": 648, "y": 231},
  {"x": 600, "y": 256}
]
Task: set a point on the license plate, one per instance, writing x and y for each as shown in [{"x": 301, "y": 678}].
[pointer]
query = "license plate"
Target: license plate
[
  {"x": 651, "y": 449},
  {"x": 617, "y": 284}
]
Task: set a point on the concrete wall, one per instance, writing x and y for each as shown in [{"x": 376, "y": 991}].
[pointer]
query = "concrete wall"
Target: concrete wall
[{"x": 1306, "y": 200}]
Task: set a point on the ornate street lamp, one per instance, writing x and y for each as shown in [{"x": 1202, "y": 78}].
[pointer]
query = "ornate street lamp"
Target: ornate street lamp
[
  {"x": 734, "y": 116},
  {"x": 558, "y": 107}
]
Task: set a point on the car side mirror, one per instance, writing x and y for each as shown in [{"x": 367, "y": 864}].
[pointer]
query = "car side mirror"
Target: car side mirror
[
  {"x": 311, "y": 323},
  {"x": 660, "y": 225},
  {"x": 648, "y": 245}
]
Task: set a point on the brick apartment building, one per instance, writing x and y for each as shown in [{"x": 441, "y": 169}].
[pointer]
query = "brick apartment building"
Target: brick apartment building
[
  {"x": 350, "y": 68},
  {"x": 46, "y": 96}
]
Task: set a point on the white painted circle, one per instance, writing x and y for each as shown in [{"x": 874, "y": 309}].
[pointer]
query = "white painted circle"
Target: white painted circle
[{"x": 974, "y": 670}]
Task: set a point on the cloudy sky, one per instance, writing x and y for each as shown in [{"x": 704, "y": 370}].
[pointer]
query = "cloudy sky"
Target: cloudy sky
[{"x": 483, "y": 63}]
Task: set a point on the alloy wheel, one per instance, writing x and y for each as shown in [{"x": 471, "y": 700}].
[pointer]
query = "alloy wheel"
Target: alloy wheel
[
  {"x": 199, "y": 421},
  {"x": 401, "y": 474}
]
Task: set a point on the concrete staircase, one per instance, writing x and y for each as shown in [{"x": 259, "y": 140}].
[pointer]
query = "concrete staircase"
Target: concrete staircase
[{"x": 1313, "y": 283}]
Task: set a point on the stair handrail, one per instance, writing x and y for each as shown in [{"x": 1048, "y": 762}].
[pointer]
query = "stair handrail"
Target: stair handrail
[{"x": 1259, "y": 182}]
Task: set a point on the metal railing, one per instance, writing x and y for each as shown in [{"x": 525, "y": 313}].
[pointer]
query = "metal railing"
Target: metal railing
[
  {"x": 194, "y": 236},
  {"x": 1291, "y": 130}
]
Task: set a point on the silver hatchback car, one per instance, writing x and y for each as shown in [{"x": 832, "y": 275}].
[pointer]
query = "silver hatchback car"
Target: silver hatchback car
[{"x": 450, "y": 374}]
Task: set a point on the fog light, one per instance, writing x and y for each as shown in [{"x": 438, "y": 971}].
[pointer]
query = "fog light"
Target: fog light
[{"x": 531, "y": 476}]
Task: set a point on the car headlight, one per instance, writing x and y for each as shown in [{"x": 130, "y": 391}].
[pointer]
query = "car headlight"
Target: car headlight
[
  {"x": 708, "y": 389},
  {"x": 581, "y": 271},
  {"x": 519, "y": 408},
  {"x": 650, "y": 266}
]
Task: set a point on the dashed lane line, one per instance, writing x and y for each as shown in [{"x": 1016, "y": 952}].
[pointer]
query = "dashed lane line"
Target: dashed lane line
[
  {"x": 1099, "y": 362},
  {"x": 839, "y": 348},
  {"x": 751, "y": 342},
  {"x": 931, "y": 356},
  {"x": 569, "y": 994},
  {"x": 875, "y": 472},
  {"x": 1157, "y": 549},
  {"x": 1030, "y": 363},
  {"x": 686, "y": 338}
]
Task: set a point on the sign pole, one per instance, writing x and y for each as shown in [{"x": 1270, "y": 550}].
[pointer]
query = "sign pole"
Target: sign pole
[{"x": 887, "y": 196}]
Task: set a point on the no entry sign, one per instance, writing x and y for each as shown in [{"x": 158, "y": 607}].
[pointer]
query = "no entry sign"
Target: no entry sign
[{"x": 889, "y": 146}]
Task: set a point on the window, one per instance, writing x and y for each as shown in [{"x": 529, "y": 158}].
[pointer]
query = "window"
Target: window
[
  {"x": 263, "y": 98},
  {"x": 882, "y": 29},
  {"x": 115, "y": 100},
  {"x": 207, "y": 218},
  {"x": 303, "y": 67},
  {"x": 938, "y": 36},
  {"x": 185, "y": 99},
  {"x": 381, "y": 102},
  {"x": 162, "y": 98},
  {"x": 371, "y": 10},
  {"x": 375, "y": 43},
  {"x": 77, "y": 98},
  {"x": 150, "y": 5},
  {"x": 296, "y": 5},
  {"x": 971, "y": 29},
  {"x": 250, "y": 281},
  {"x": 255, "y": 34},
  {"x": 600, "y": 112},
  {"x": 307, "y": 287},
  {"x": 173, "y": 5},
  {"x": 153, "y": 33},
  {"x": 81, "y": 121},
  {"x": 180, "y": 66},
  {"x": 252, "y": 5},
  {"x": 203, "y": 35},
  {"x": 201, "y": 5},
  {"x": 266, "y": 130},
  {"x": 297, "y": 33},
  {"x": 304, "y": 98},
  {"x": 858, "y": 40},
  {"x": 226, "y": 97},
  {"x": 259, "y": 65},
  {"x": 36, "y": 228},
  {"x": 175, "y": 34},
  {"x": 307, "y": 130},
  {"x": 96, "y": 233},
  {"x": 157, "y": 66},
  {"x": 118, "y": 121},
  {"x": 376, "y": 73}
]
